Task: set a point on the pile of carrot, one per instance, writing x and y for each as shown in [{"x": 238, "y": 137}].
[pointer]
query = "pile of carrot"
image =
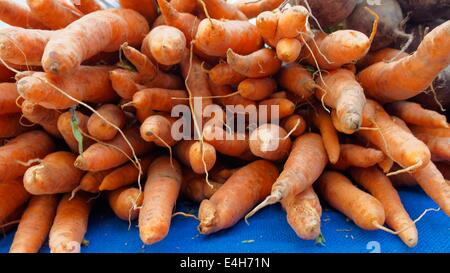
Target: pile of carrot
[{"x": 90, "y": 104}]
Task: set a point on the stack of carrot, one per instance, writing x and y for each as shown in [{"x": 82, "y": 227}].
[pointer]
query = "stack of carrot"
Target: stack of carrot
[{"x": 90, "y": 97}]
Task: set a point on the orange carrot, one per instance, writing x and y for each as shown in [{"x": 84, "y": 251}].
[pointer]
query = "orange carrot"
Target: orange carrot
[
  {"x": 158, "y": 129},
  {"x": 86, "y": 6},
  {"x": 35, "y": 224},
  {"x": 101, "y": 130},
  {"x": 259, "y": 64},
  {"x": 8, "y": 99},
  {"x": 223, "y": 74},
  {"x": 220, "y": 9},
  {"x": 188, "y": 6},
  {"x": 303, "y": 213},
  {"x": 329, "y": 134},
  {"x": 436, "y": 132},
  {"x": 295, "y": 124},
  {"x": 413, "y": 113},
  {"x": 399, "y": 145},
  {"x": 196, "y": 189},
  {"x": 166, "y": 44},
  {"x": 13, "y": 196},
  {"x": 53, "y": 13},
  {"x": 55, "y": 174},
  {"x": 88, "y": 84},
  {"x": 383, "y": 55},
  {"x": 64, "y": 125},
  {"x": 267, "y": 25},
  {"x": 100, "y": 157},
  {"x": 215, "y": 38},
  {"x": 358, "y": 156},
  {"x": 146, "y": 8},
  {"x": 288, "y": 50},
  {"x": 70, "y": 224},
  {"x": 193, "y": 154},
  {"x": 197, "y": 83},
  {"x": 342, "y": 92},
  {"x": 15, "y": 14},
  {"x": 91, "y": 181},
  {"x": 381, "y": 188},
  {"x": 11, "y": 126},
  {"x": 221, "y": 92},
  {"x": 159, "y": 99},
  {"x": 47, "y": 118},
  {"x": 439, "y": 146},
  {"x": 271, "y": 142},
  {"x": 252, "y": 8},
  {"x": 297, "y": 80},
  {"x": 125, "y": 202},
  {"x": 225, "y": 142},
  {"x": 21, "y": 46},
  {"x": 362, "y": 208},
  {"x": 285, "y": 107},
  {"x": 22, "y": 149},
  {"x": 409, "y": 76},
  {"x": 237, "y": 196},
  {"x": 124, "y": 82},
  {"x": 124, "y": 175},
  {"x": 292, "y": 22},
  {"x": 160, "y": 195},
  {"x": 66, "y": 51},
  {"x": 304, "y": 165},
  {"x": 257, "y": 89}
]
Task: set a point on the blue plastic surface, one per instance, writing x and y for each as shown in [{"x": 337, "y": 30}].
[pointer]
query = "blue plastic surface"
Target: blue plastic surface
[{"x": 268, "y": 232}]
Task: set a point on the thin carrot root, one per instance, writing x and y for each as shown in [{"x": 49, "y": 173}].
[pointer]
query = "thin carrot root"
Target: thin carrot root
[
  {"x": 407, "y": 170},
  {"x": 188, "y": 215},
  {"x": 270, "y": 200}
]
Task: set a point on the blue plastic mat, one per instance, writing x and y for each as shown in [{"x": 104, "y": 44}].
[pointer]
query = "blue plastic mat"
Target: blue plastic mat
[{"x": 268, "y": 232}]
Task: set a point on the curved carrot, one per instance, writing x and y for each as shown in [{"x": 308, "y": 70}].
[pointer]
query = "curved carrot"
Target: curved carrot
[
  {"x": 13, "y": 196},
  {"x": 22, "y": 149},
  {"x": 66, "y": 51},
  {"x": 186, "y": 22},
  {"x": 237, "y": 196},
  {"x": 70, "y": 224},
  {"x": 271, "y": 142},
  {"x": 362, "y": 208},
  {"x": 53, "y": 13},
  {"x": 414, "y": 113},
  {"x": 259, "y": 64},
  {"x": 125, "y": 201},
  {"x": 329, "y": 134},
  {"x": 409, "y": 76},
  {"x": 47, "y": 118},
  {"x": 101, "y": 130},
  {"x": 160, "y": 195},
  {"x": 357, "y": 156},
  {"x": 35, "y": 224}
]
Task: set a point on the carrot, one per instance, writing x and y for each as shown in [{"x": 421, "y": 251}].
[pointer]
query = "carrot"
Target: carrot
[
  {"x": 271, "y": 142},
  {"x": 86, "y": 6},
  {"x": 91, "y": 181},
  {"x": 194, "y": 154},
  {"x": 220, "y": 9},
  {"x": 64, "y": 125},
  {"x": 124, "y": 82},
  {"x": 124, "y": 175},
  {"x": 186, "y": 22},
  {"x": 257, "y": 89},
  {"x": 285, "y": 107},
  {"x": 13, "y": 196},
  {"x": 188, "y": 6},
  {"x": 295, "y": 124},
  {"x": 413, "y": 113},
  {"x": 125, "y": 201},
  {"x": 195, "y": 188},
  {"x": 15, "y": 14},
  {"x": 292, "y": 22},
  {"x": 381, "y": 188},
  {"x": 159, "y": 99},
  {"x": 70, "y": 224},
  {"x": 362, "y": 208},
  {"x": 400, "y": 122},
  {"x": 383, "y": 55},
  {"x": 342, "y": 92},
  {"x": 267, "y": 25},
  {"x": 55, "y": 174},
  {"x": 166, "y": 44},
  {"x": 409, "y": 76},
  {"x": 215, "y": 38},
  {"x": 288, "y": 50},
  {"x": 54, "y": 14},
  {"x": 297, "y": 80},
  {"x": 149, "y": 74},
  {"x": 11, "y": 126},
  {"x": 35, "y": 224},
  {"x": 433, "y": 183},
  {"x": 329, "y": 134},
  {"x": 20, "y": 46},
  {"x": 251, "y": 9},
  {"x": 22, "y": 149},
  {"x": 146, "y": 8},
  {"x": 303, "y": 213},
  {"x": 88, "y": 84},
  {"x": 158, "y": 129},
  {"x": 197, "y": 82},
  {"x": 259, "y": 64},
  {"x": 66, "y": 51},
  {"x": 225, "y": 142},
  {"x": 100, "y": 157},
  {"x": 304, "y": 165},
  {"x": 399, "y": 145},
  {"x": 358, "y": 156},
  {"x": 101, "y": 130},
  {"x": 237, "y": 196},
  {"x": 47, "y": 118},
  {"x": 436, "y": 132},
  {"x": 160, "y": 195},
  {"x": 221, "y": 91},
  {"x": 223, "y": 74},
  {"x": 8, "y": 99},
  {"x": 439, "y": 146}
]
